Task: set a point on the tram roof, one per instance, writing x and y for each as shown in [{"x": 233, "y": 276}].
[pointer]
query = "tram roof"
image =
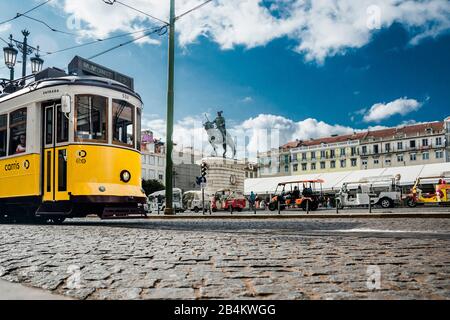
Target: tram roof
[{"x": 70, "y": 80}]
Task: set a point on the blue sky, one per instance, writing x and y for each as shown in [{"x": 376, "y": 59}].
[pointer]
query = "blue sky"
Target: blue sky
[{"x": 290, "y": 72}]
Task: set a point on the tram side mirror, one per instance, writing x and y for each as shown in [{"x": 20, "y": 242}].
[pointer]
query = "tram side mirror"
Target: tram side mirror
[{"x": 66, "y": 104}]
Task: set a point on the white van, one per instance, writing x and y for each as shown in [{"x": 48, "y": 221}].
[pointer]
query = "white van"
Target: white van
[
  {"x": 157, "y": 201},
  {"x": 192, "y": 200}
]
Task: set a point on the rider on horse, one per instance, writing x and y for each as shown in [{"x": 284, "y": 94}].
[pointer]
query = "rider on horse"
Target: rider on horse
[{"x": 220, "y": 125}]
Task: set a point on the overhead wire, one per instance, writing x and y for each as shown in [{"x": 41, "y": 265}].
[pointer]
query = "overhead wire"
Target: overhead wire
[
  {"x": 97, "y": 41},
  {"x": 193, "y": 9},
  {"x": 28, "y": 11},
  {"x": 160, "y": 30},
  {"x": 111, "y": 2},
  {"x": 48, "y": 26}
]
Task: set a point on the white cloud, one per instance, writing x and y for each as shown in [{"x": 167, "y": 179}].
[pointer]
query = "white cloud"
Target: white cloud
[
  {"x": 5, "y": 27},
  {"x": 401, "y": 106},
  {"x": 320, "y": 28},
  {"x": 247, "y": 100}
]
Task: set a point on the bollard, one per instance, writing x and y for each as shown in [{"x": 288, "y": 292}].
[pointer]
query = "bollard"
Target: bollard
[
  {"x": 307, "y": 206},
  {"x": 370, "y": 205},
  {"x": 278, "y": 205},
  {"x": 231, "y": 209},
  {"x": 337, "y": 206},
  {"x": 254, "y": 208}
]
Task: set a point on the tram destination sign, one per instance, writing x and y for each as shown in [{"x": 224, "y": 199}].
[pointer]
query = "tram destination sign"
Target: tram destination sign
[{"x": 81, "y": 66}]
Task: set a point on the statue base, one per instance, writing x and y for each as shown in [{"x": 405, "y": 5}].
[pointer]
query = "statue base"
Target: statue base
[{"x": 224, "y": 173}]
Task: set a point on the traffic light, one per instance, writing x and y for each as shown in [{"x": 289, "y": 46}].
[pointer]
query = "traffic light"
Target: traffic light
[{"x": 204, "y": 169}]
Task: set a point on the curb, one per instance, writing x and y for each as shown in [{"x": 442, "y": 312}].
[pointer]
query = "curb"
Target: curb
[
  {"x": 18, "y": 291},
  {"x": 305, "y": 216}
]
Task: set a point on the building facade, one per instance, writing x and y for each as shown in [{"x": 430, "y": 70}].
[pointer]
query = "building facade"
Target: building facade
[
  {"x": 423, "y": 143},
  {"x": 185, "y": 163},
  {"x": 335, "y": 153},
  {"x": 153, "y": 158},
  {"x": 275, "y": 162},
  {"x": 405, "y": 146}
]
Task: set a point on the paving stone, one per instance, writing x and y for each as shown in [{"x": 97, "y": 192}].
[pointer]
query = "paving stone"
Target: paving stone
[{"x": 227, "y": 259}]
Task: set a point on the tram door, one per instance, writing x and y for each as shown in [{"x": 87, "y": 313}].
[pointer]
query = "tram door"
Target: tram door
[{"x": 55, "y": 156}]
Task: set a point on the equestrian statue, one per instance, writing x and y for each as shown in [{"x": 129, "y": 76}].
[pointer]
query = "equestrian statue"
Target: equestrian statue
[{"x": 218, "y": 135}]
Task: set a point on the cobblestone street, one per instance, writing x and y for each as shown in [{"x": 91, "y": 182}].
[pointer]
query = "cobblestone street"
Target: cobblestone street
[{"x": 243, "y": 259}]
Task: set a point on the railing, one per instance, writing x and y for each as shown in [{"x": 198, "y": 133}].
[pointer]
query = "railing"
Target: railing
[{"x": 417, "y": 148}]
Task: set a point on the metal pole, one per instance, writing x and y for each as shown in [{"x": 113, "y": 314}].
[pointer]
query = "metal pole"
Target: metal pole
[
  {"x": 337, "y": 206},
  {"x": 203, "y": 200},
  {"x": 370, "y": 205},
  {"x": 24, "y": 52},
  {"x": 170, "y": 98},
  {"x": 11, "y": 73},
  {"x": 278, "y": 205}
]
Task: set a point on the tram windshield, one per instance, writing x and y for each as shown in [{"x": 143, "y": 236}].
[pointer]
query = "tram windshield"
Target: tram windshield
[
  {"x": 138, "y": 128},
  {"x": 91, "y": 117},
  {"x": 123, "y": 122}
]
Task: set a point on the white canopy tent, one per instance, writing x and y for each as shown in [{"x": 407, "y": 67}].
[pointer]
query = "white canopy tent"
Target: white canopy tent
[{"x": 334, "y": 180}]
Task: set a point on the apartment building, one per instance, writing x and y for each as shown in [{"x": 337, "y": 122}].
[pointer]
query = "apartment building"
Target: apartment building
[
  {"x": 153, "y": 159},
  {"x": 328, "y": 154},
  {"x": 275, "y": 162},
  {"x": 405, "y": 146},
  {"x": 415, "y": 144}
]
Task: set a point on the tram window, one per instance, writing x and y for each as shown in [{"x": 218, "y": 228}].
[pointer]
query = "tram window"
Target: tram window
[
  {"x": 138, "y": 128},
  {"x": 91, "y": 117},
  {"x": 62, "y": 126},
  {"x": 49, "y": 125},
  {"x": 123, "y": 118},
  {"x": 17, "y": 131},
  {"x": 3, "y": 132}
]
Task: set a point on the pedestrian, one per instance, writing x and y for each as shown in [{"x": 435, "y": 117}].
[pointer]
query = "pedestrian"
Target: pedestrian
[
  {"x": 329, "y": 202},
  {"x": 252, "y": 199}
]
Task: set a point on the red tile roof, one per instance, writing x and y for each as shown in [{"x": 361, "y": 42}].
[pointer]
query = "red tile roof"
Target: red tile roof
[
  {"x": 407, "y": 131},
  {"x": 383, "y": 133}
]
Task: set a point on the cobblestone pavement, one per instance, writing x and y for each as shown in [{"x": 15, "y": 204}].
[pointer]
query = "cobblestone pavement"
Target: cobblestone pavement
[{"x": 237, "y": 259}]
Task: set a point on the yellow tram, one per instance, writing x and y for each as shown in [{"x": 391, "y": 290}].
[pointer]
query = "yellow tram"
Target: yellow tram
[{"x": 69, "y": 147}]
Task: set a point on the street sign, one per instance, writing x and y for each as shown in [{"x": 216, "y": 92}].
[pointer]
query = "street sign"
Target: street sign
[
  {"x": 203, "y": 185},
  {"x": 200, "y": 180}
]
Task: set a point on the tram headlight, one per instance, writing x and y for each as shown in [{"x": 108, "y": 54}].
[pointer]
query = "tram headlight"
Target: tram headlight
[{"x": 125, "y": 176}]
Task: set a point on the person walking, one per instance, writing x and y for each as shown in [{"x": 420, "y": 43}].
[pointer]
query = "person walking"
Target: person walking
[{"x": 252, "y": 199}]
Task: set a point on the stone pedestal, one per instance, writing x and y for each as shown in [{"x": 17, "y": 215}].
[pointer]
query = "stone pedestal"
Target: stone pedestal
[{"x": 224, "y": 174}]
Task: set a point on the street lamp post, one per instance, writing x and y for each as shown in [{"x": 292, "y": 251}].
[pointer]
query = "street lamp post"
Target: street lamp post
[
  {"x": 10, "y": 55},
  {"x": 25, "y": 34},
  {"x": 170, "y": 97}
]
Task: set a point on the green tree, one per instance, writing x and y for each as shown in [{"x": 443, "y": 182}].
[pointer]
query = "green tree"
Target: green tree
[{"x": 151, "y": 186}]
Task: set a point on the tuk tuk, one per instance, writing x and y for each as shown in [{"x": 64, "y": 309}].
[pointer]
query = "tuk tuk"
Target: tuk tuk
[
  {"x": 305, "y": 194},
  {"x": 223, "y": 199},
  {"x": 429, "y": 190}
]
